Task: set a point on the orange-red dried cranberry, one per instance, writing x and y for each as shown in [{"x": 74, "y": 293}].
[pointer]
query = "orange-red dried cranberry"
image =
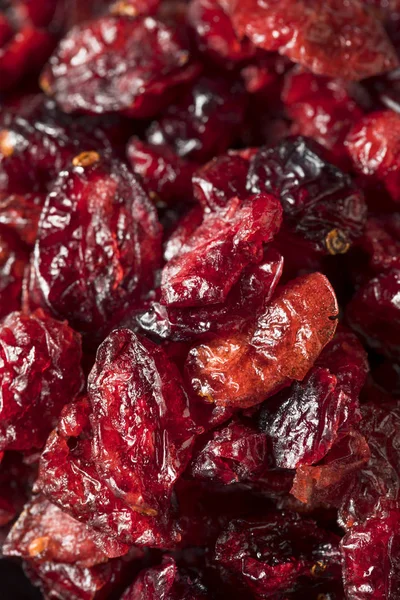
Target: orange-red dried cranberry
[
  {"x": 98, "y": 244},
  {"x": 129, "y": 65},
  {"x": 40, "y": 373}
]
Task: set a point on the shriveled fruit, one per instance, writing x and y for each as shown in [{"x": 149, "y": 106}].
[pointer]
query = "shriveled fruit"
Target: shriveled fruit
[
  {"x": 40, "y": 373},
  {"x": 129, "y": 65},
  {"x": 284, "y": 342},
  {"x": 98, "y": 244}
]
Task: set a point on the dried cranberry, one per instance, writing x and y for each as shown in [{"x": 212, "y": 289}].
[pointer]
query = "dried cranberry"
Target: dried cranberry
[
  {"x": 374, "y": 146},
  {"x": 246, "y": 299},
  {"x": 45, "y": 533},
  {"x": 273, "y": 555},
  {"x": 98, "y": 244},
  {"x": 166, "y": 177},
  {"x": 243, "y": 369},
  {"x": 381, "y": 241},
  {"x": 40, "y": 373},
  {"x": 212, "y": 260},
  {"x": 164, "y": 582},
  {"x": 182, "y": 232},
  {"x": 130, "y": 65},
  {"x": 338, "y": 39},
  {"x": 321, "y": 204},
  {"x": 374, "y": 313},
  {"x": 236, "y": 453},
  {"x": 371, "y": 566},
  {"x": 21, "y": 213},
  {"x": 205, "y": 122}
]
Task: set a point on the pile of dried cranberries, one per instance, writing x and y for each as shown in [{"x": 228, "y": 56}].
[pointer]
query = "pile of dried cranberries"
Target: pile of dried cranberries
[{"x": 200, "y": 299}]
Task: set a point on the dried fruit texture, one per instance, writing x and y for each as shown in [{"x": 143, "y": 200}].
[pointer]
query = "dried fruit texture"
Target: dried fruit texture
[
  {"x": 44, "y": 533},
  {"x": 166, "y": 177},
  {"x": 340, "y": 39},
  {"x": 379, "y": 479},
  {"x": 215, "y": 35},
  {"x": 182, "y": 232},
  {"x": 130, "y": 65},
  {"x": 236, "y": 453},
  {"x": 205, "y": 122},
  {"x": 72, "y": 582},
  {"x": 371, "y": 565},
  {"x": 381, "y": 241},
  {"x": 21, "y": 213},
  {"x": 374, "y": 147},
  {"x": 247, "y": 298},
  {"x": 321, "y": 204},
  {"x": 321, "y": 109},
  {"x": 223, "y": 178},
  {"x": 273, "y": 555},
  {"x": 212, "y": 260},
  {"x": 16, "y": 481},
  {"x": 40, "y": 373},
  {"x": 242, "y": 370},
  {"x": 87, "y": 465},
  {"x": 164, "y": 583},
  {"x": 14, "y": 261},
  {"x": 374, "y": 313},
  {"x": 133, "y": 386},
  {"x": 99, "y": 242}
]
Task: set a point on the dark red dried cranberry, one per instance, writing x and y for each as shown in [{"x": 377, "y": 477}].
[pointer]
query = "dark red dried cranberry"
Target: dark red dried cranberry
[
  {"x": 98, "y": 244},
  {"x": 371, "y": 565},
  {"x": 21, "y": 213},
  {"x": 205, "y": 122},
  {"x": 166, "y": 177},
  {"x": 243, "y": 369},
  {"x": 247, "y": 298},
  {"x": 40, "y": 373},
  {"x": 130, "y": 65},
  {"x": 374, "y": 313},
  {"x": 321, "y": 204},
  {"x": 374, "y": 147},
  {"x": 273, "y": 555},
  {"x": 338, "y": 40}
]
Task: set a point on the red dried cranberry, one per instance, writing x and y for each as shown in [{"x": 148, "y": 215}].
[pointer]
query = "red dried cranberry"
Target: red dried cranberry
[
  {"x": 247, "y": 298},
  {"x": 321, "y": 109},
  {"x": 243, "y": 369},
  {"x": 374, "y": 146},
  {"x": 273, "y": 555},
  {"x": 21, "y": 213},
  {"x": 236, "y": 453},
  {"x": 338, "y": 39},
  {"x": 45, "y": 533},
  {"x": 374, "y": 313},
  {"x": 182, "y": 232},
  {"x": 205, "y": 122},
  {"x": 166, "y": 177},
  {"x": 371, "y": 565},
  {"x": 129, "y": 65},
  {"x": 212, "y": 260},
  {"x": 98, "y": 244},
  {"x": 321, "y": 204},
  {"x": 381, "y": 241},
  {"x": 40, "y": 373}
]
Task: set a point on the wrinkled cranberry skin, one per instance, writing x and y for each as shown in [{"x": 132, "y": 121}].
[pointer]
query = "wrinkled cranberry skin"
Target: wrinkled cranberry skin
[
  {"x": 40, "y": 373},
  {"x": 371, "y": 566},
  {"x": 374, "y": 313},
  {"x": 321, "y": 204},
  {"x": 21, "y": 213},
  {"x": 154, "y": 59},
  {"x": 246, "y": 299},
  {"x": 236, "y": 453},
  {"x": 242, "y": 370},
  {"x": 212, "y": 260},
  {"x": 45, "y": 533},
  {"x": 272, "y": 554},
  {"x": 165, "y": 176},
  {"x": 99, "y": 242},
  {"x": 374, "y": 146},
  {"x": 340, "y": 39},
  {"x": 205, "y": 122},
  {"x": 164, "y": 582}
]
